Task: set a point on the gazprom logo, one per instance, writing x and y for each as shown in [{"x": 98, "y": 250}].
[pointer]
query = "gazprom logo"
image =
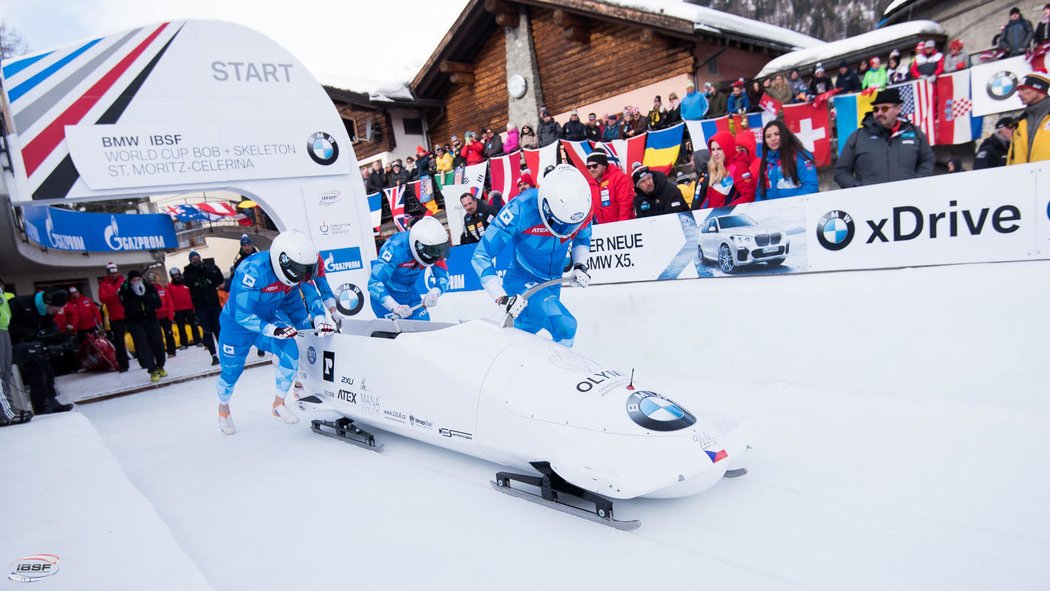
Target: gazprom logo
[
  {"x": 62, "y": 241},
  {"x": 342, "y": 259},
  {"x": 143, "y": 242}
]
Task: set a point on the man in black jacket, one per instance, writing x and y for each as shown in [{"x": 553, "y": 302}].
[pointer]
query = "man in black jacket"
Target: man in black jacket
[
  {"x": 35, "y": 339},
  {"x": 204, "y": 280},
  {"x": 493, "y": 143},
  {"x": 654, "y": 194},
  {"x": 374, "y": 182},
  {"x": 141, "y": 301},
  {"x": 574, "y": 130},
  {"x": 992, "y": 152},
  {"x": 478, "y": 217},
  {"x": 548, "y": 131}
]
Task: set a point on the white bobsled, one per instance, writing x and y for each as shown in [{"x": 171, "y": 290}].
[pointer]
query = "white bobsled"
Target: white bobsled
[{"x": 518, "y": 400}]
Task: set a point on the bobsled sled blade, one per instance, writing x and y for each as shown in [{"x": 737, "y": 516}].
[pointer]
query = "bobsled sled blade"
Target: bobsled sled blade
[
  {"x": 346, "y": 430},
  {"x": 735, "y": 473},
  {"x": 575, "y": 511}
]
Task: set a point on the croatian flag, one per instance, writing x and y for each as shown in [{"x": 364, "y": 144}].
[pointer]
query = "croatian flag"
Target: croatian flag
[
  {"x": 625, "y": 153},
  {"x": 955, "y": 122},
  {"x": 810, "y": 124},
  {"x": 506, "y": 171},
  {"x": 917, "y": 105},
  {"x": 395, "y": 196},
  {"x": 537, "y": 161}
]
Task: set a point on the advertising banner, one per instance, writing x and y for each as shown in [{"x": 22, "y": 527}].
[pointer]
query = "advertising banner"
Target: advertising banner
[
  {"x": 62, "y": 229},
  {"x": 993, "y": 86},
  {"x": 762, "y": 238},
  {"x": 333, "y": 215}
]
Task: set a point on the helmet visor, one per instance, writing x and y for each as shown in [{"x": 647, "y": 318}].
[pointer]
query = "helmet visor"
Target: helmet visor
[
  {"x": 298, "y": 272},
  {"x": 559, "y": 228},
  {"x": 431, "y": 253}
]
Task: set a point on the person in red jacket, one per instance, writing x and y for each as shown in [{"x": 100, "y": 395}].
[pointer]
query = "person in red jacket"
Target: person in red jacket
[
  {"x": 88, "y": 316},
  {"x": 108, "y": 288},
  {"x": 165, "y": 313},
  {"x": 67, "y": 318},
  {"x": 724, "y": 174},
  {"x": 612, "y": 193},
  {"x": 928, "y": 63},
  {"x": 185, "y": 317},
  {"x": 748, "y": 160},
  {"x": 473, "y": 150}
]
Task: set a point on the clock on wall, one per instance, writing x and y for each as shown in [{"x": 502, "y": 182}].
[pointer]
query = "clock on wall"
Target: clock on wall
[{"x": 517, "y": 86}]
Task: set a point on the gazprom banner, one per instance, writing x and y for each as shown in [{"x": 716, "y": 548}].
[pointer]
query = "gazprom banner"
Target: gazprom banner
[{"x": 61, "y": 229}]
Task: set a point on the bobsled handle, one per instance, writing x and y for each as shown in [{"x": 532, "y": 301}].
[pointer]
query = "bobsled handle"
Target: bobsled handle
[
  {"x": 392, "y": 316},
  {"x": 528, "y": 293}
]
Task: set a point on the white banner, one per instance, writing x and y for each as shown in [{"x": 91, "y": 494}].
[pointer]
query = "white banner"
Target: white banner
[
  {"x": 993, "y": 86},
  {"x": 454, "y": 210}
]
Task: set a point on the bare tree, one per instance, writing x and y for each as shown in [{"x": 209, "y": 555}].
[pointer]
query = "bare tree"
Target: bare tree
[{"x": 11, "y": 43}]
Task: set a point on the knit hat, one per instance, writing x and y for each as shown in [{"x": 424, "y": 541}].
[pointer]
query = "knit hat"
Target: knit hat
[
  {"x": 111, "y": 267},
  {"x": 73, "y": 289},
  {"x": 526, "y": 177},
  {"x": 1004, "y": 122},
  {"x": 175, "y": 271},
  {"x": 133, "y": 274},
  {"x": 1036, "y": 81},
  {"x": 640, "y": 173},
  {"x": 930, "y": 44},
  {"x": 1015, "y": 10},
  {"x": 245, "y": 240},
  {"x": 56, "y": 297},
  {"x": 193, "y": 253},
  {"x": 598, "y": 157},
  {"x": 690, "y": 84}
]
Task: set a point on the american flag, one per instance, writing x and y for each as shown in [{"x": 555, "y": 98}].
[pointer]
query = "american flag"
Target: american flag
[{"x": 917, "y": 104}]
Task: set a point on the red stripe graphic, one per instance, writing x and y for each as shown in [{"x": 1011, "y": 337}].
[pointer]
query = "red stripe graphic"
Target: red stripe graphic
[{"x": 43, "y": 144}]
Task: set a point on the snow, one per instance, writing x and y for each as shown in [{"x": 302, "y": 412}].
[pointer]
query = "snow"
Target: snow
[
  {"x": 894, "y": 6},
  {"x": 901, "y": 425},
  {"x": 831, "y": 53}
]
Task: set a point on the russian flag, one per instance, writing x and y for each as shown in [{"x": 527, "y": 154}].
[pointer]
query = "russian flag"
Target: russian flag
[
  {"x": 578, "y": 152},
  {"x": 537, "y": 161},
  {"x": 626, "y": 152},
  {"x": 850, "y": 111},
  {"x": 662, "y": 147}
]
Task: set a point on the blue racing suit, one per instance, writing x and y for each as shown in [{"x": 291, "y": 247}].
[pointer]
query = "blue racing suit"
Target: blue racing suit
[
  {"x": 260, "y": 301},
  {"x": 394, "y": 275},
  {"x": 538, "y": 256},
  {"x": 323, "y": 288}
]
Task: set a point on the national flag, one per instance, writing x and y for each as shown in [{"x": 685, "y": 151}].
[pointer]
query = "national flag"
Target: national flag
[
  {"x": 395, "y": 196},
  {"x": 537, "y": 161},
  {"x": 701, "y": 131},
  {"x": 755, "y": 122},
  {"x": 578, "y": 152},
  {"x": 445, "y": 178},
  {"x": 458, "y": 175},
  {"x": 850, "y": 111},
  {"x": 810, "y": 124},
  {"x": 186, "y": 213},
  {"x": 219, "y": 210},
  {"x": 505, "y": 171},
  {"x": 954, "y": 117},
  {"x": 770, "y": 104},
  {"x": 1037, "y": 57},
  {"x": 820, "y": 99},
  {"x": 662, "y": 147},
  {"x": 474, "y": 175},
  {"x": 917, "y": 105},
  {"x": 626, "y": 153},
  {"x": 425, "y": 189},
  {"x": 375, "y": 209}
]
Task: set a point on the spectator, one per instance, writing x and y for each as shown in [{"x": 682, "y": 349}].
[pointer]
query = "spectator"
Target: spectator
[
  {"x": 8, "y": 414},
  {"x": 443, "y": 161},
  {"x": 779, "y": 90},
  {"x": 955, "y": 165},
  {"x": 746, "y": 157},
  {"x": 847, "y": 79},
  {"x": 654, "y": 194},
  {"x": 929, "y": 63},
  {"x": 108, "y": 288},
  {"x": 165, "y": 313},
  {"x": 478, "y": 216},
  {"x": 374, "y": 182},
  {"x": 493, "y": 144},
  {"x": 685, "y": 187},
  {"x": 896, "y": 71},
  {"x": 786, "y": 169},
  {"x": 473, "y": 150},
  {"x": 611, "y": 128},
  {"x": 820, "y": 83},
  {"x": 957, "y": 59},
  {"x": 695, "y": 104},
  {"x": 876, "y": 76},
  {"x": 1031, "y": 141},
  {"x": 611, "y": 193},
  {"x": 574, "y": 130},
  {"x": 1016, "y": 35},
  {"x": 424, "y": 162},
  {"x": 247, "y": 249},
  {"x": 183, "y": 306},
  {"x": 718, "y": 187},
  {"x": 674, "y": 109},
  {"x": 657, "y": 115},
  {"x": 754, "y": 96},
  {"x": 716, "y": 101},
  {"x": 33, "y": 339},
  {"x": 798, "y": 85},
  {"x": 738, "y": 99},
  {"x": 495, "y": 201},
  {"x": 88, "y": 317},
  {"x": 458, "y": 160},
  {"x": 398, "y": 175},
  {"x": 141, "y": 303},
  {"x": 528, "y": 138},
  {"x": 992, "y": 151},
  {"x": 549, "y": 130},
  {"x": 862, "y": 67},
  {"x": 593, "y": 132},
  {"x": 633, "y": 124},
  {"x": 525, "y": 181},
  {"x": 66, "y": 319},
  {"x": 203, "y": 279},
  {"x": 513, "y": 139},
  {"x": 1042, "y": 35},
  {"x": 410, "y": 169},
  {"x": 886, "y": 148}
]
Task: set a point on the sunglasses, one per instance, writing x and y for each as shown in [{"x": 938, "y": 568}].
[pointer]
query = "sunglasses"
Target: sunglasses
[
  {"x": 593, "y": 166},
  {"x": 882, "y": 109}
]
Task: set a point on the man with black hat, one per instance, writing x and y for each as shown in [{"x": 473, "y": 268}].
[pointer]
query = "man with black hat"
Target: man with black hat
[
  {"x": 612, "y": 196},
  {"x": 548, "y": 131},
  {"x": 655, "y": 194},
  {"x": 141, "y": 302},
  {"x": 1017, "y": 34},
  {"x": 35, "y": 340},
  {"x": 247, "y": 249},
  {"x": 1031, "y": 141},
  {"x": 886, "y": 148},
  {"x": 847, "y": 81},
  {"x": 993, "y": 150},
  {"x": 204, "y": 279}
]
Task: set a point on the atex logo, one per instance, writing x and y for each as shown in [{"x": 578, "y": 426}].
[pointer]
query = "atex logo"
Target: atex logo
[
  {"x": 33, "y": 568},
  {"x": 835, "y": 230}
]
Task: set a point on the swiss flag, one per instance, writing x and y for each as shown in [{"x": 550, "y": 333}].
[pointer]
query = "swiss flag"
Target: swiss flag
[
  {"x": 770, "y": 104},
  {"x": 810, "y": 124}
]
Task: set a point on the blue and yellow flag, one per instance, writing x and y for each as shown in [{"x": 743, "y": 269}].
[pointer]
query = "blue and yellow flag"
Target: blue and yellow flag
[
  {"x": 850, "y": 111},
  {"x": 662, "y": 146}
]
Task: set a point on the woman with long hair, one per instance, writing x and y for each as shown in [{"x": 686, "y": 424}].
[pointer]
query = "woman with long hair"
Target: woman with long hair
[
  {"x": 527, "y": 138},
  {"x": 787, "y": 169},
  {"x": 719, "y": 187}
]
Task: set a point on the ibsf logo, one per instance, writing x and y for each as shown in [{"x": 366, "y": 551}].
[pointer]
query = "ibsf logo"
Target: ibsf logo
[
  {"x": 835, "y": 230},
  {"x": 1002, "y": 85},
  {"x": 33, "y": 568},
  {"x": 322, "y": 148},
  {"x": 330, "y": 198},
  {"x": 652, "y": 411}
]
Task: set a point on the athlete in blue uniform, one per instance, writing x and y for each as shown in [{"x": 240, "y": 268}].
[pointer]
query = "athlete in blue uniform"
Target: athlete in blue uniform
[
  {"x": 265, "y": 308},
  {"x": 540, "y": 226},
  {"x": 392, "y": 283}
]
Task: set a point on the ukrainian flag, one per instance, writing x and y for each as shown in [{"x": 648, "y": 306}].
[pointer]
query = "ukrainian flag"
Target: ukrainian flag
[
  {"x": 661, "y": 147},
  {"x": 850, "y": 111}
]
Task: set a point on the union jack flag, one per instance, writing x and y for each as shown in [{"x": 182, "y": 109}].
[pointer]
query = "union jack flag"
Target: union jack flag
[{"x": 395, "y": 196}]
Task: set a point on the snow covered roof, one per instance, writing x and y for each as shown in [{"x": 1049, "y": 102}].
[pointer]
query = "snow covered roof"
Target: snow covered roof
[
  {"x": 839, "y": 49},
  {"x": 894, "y": 6},
  {"x": 377, "y": 90}
]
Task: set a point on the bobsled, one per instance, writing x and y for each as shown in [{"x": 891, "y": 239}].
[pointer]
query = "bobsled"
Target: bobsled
[{"x": 574, "y": 426}]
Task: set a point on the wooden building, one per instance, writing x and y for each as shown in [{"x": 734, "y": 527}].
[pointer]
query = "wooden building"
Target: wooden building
[{"x": 381, "y": 127}]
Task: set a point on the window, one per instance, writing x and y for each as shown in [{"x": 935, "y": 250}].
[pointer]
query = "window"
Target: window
[
  {"x": 351, "y": 129},
  {"x": 413, "y": 126}
]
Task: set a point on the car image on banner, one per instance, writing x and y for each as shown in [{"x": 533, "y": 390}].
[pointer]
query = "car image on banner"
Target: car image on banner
[{"x": 731, "y": 240}]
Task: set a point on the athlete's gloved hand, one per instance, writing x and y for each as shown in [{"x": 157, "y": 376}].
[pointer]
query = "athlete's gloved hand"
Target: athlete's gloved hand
[
  {"x": 580, "y": 276},
  {"x": 513, "y": 304},
  {"x": 401, "y": 311},
  {"x": 324, "y": 328},
  {"x": 431, "y": 299},
  {"x": 337, "y": 319},
  {"x": 282, "y": 332}
]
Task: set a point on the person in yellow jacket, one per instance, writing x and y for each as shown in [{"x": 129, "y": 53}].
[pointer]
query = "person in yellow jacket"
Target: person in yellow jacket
[{"x": 1031, "y": 141}]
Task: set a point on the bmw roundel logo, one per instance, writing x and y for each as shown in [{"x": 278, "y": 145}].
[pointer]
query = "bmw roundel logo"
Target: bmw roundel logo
[
  {"x": 311, "y": 355},
  {"x": 349, "y": 300},
  {"x": 1002, "y": 85},
  {"x": 652, "y": 411},
  {"x": 322, "y": 148},
  {"x": 835, "y": 230}
]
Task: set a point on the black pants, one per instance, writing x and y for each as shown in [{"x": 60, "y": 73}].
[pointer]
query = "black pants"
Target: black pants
[
  {"x": 184, "y": 319},
  {"x": 119, "y": 328},
  {"x": 149, "y": 344},
  {"x": 209, "y": 319},
  {"x": 40, "y": 376},
  {"x": 169, "y": 337}
]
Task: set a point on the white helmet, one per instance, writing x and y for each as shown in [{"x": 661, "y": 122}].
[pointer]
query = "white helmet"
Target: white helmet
[
  {"x": 294, "y": 257},
  {"x": 564, "y": 200},
  {"x": 428, "y": 241}
]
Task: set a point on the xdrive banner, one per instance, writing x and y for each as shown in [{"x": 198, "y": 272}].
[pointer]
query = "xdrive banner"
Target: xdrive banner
[{"x": 61, "y": 229}]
